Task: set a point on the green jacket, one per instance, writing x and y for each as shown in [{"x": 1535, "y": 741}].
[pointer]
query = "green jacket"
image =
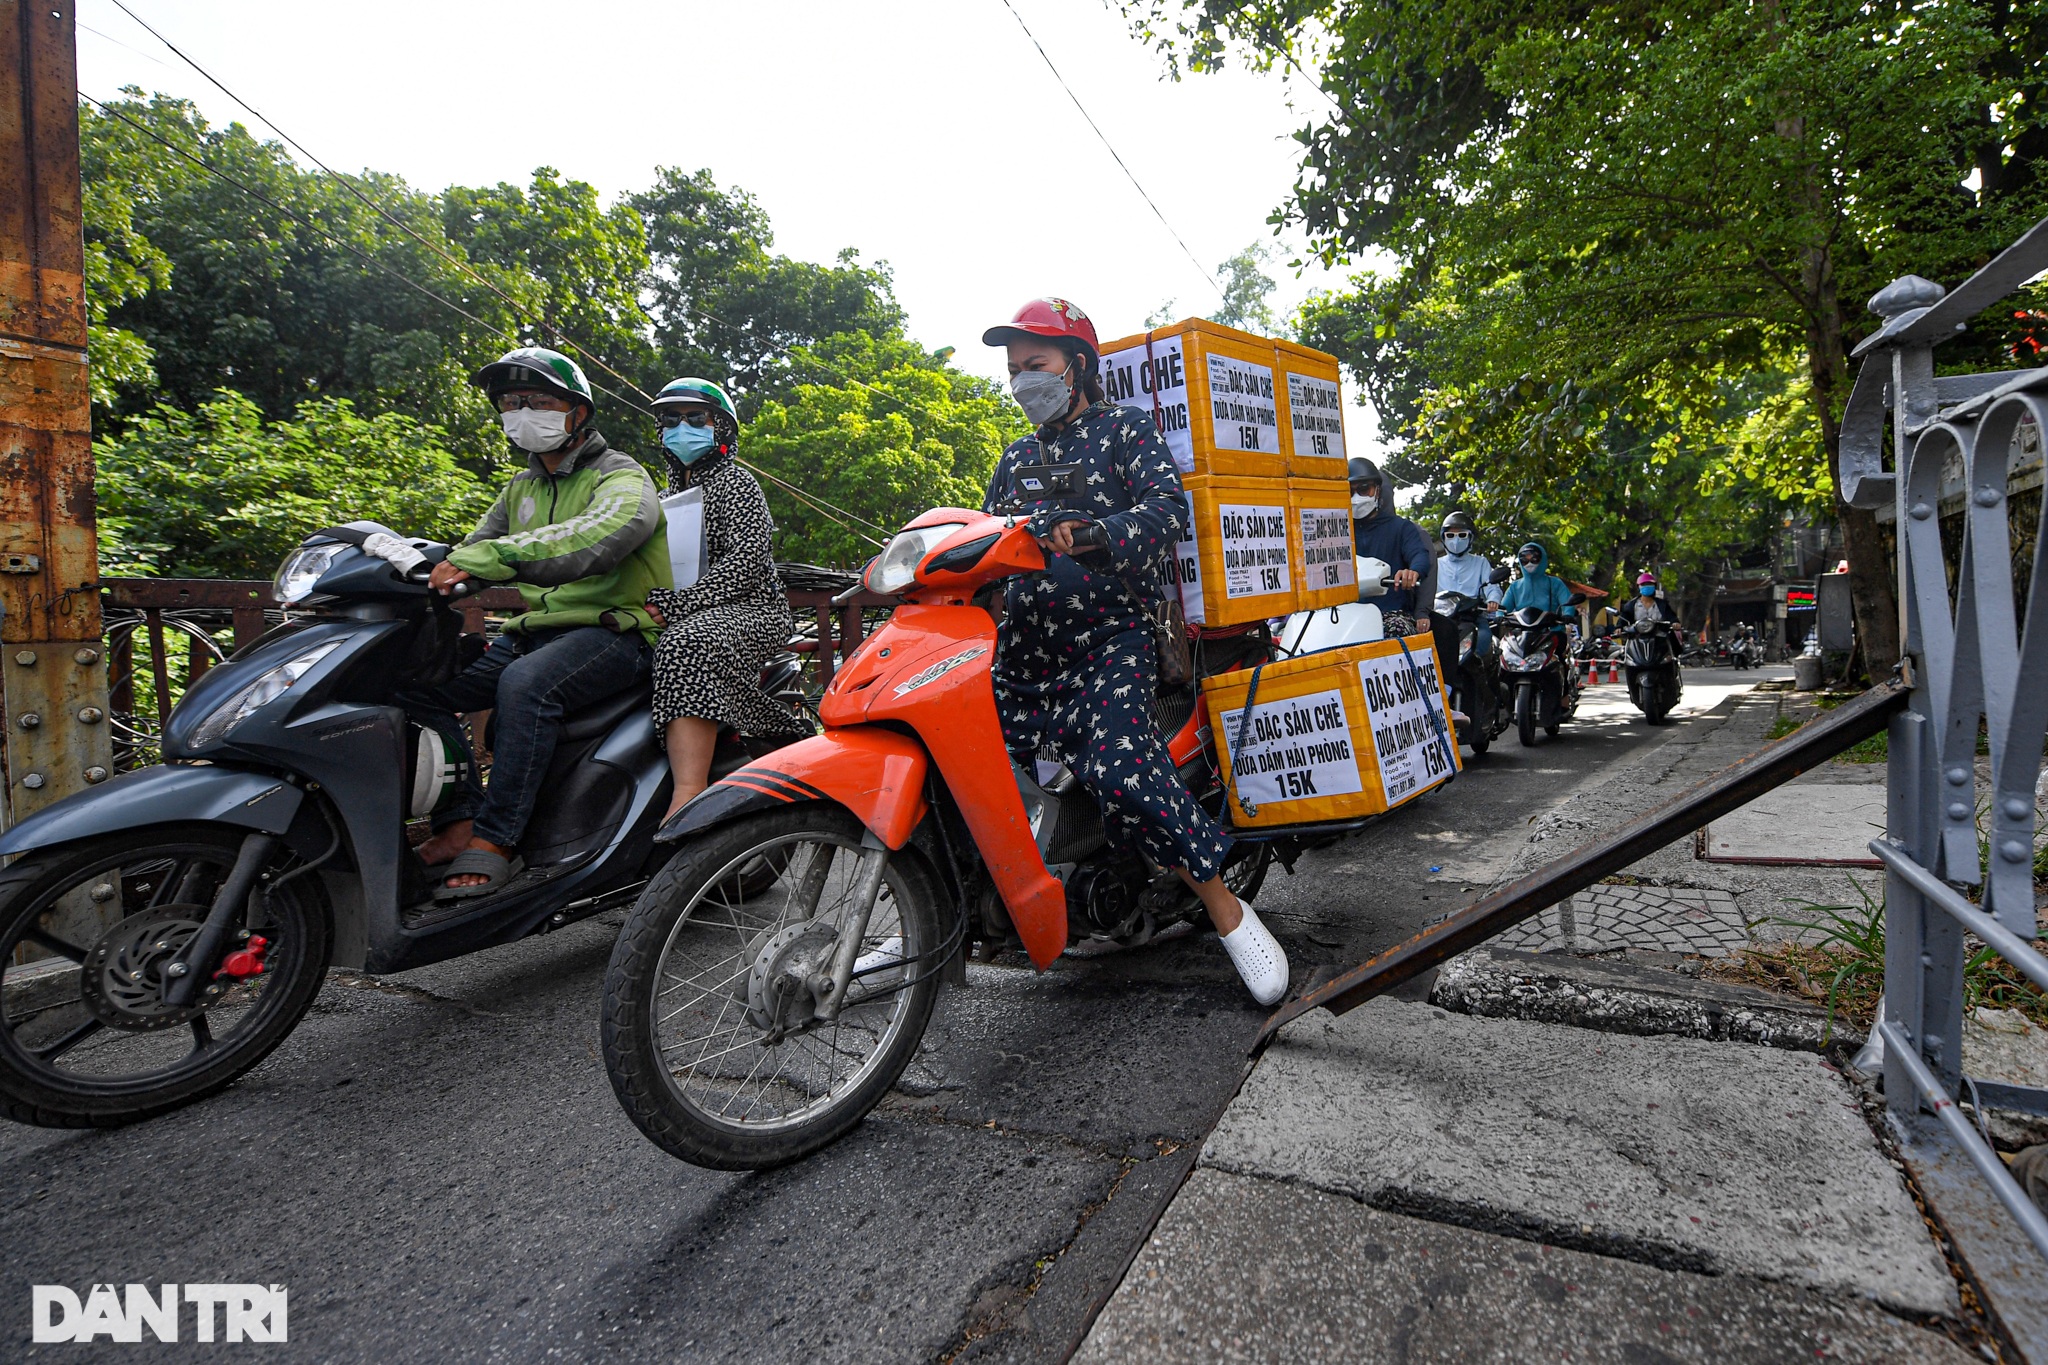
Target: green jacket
[{"x": 584, "y": 545}]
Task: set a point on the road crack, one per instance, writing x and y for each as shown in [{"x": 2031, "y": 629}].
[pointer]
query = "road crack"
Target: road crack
[{"x": 350, "y": 979}]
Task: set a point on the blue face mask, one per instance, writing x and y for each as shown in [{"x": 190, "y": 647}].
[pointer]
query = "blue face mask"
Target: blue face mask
[
  {"x": 1647, "y": 589},
  {"x": 689, "y": 444}
]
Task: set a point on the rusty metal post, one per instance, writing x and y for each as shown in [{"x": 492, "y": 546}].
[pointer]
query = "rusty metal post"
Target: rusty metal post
[{"x": 52, "y": 675}]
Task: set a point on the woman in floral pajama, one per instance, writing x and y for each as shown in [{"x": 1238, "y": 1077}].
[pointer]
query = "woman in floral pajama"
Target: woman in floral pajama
[{"x": 1075, "y": 671}]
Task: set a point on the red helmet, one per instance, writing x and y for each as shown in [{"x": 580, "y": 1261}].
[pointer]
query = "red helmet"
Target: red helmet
[{"x": 1053, "y": 318}]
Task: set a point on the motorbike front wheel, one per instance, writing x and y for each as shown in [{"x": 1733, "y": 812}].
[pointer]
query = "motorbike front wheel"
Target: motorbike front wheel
[
  {"x": 712, "y": 1054},
  {"x": 86, "y": 1037},
  {"x": 1525, "y": 714}
]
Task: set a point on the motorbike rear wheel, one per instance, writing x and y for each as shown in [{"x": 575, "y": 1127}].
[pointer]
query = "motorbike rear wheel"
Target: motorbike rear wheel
[
  {"x": 697, "y": 1065},
  {"x": 94, "y": 1045}
]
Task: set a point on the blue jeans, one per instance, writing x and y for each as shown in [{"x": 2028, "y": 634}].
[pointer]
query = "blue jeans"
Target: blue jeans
[{"x": 531, "y": 681}]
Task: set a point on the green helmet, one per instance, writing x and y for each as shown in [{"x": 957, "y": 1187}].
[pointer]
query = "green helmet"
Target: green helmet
[
  {"x": 536, "y": 367},
  {"x": 692, "y": 390}
]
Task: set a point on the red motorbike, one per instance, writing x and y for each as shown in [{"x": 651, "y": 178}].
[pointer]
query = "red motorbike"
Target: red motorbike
[{"x": 775, "y": 978}]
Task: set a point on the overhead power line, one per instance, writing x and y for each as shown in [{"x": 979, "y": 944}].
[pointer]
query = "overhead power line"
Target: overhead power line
[{"x": 1204, "y": 270}]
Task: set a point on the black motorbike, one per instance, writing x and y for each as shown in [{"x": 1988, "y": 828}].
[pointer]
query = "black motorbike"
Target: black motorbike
[
  {"x": 1650, "y": 659},
  {"x": 1536, "y": 662},
  {"x": 1744, "y": 651},
  {"x": 1477, "y": 691},
  {"x": 162, "y": 932}
]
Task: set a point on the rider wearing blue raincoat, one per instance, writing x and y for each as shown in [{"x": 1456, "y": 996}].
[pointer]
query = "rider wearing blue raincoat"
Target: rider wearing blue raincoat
[{"x": 1537, "y": 587}]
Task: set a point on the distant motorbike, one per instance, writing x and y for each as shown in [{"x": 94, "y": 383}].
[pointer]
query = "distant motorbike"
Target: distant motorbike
[
  {"x": 1650, "y": 659},
  {"x": 1744, "y": 652},
  {"x": 162, "y": 932},
  {"x": 1536, "y": 662},
  {"x": 1478, "y": 692}
]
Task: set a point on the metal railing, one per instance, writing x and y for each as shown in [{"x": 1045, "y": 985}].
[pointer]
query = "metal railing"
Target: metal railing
[
  {"x": 162, "y": 634},
  {"x": 1970, "y": 650}
]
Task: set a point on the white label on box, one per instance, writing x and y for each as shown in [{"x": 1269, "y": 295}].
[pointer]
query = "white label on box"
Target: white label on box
[
  {"x": 1254, "y": 550},
  {"x": 1315, "y": 412},
  {"x": 1188, "y": 566},
  {"x": 1127, "y": 378},
  {"x": 1412, "y": 756},
  {"x": 1297, "y": 748},
  {"x": 1241, "y": 405},
  {"x": 1326, "y": 554}
]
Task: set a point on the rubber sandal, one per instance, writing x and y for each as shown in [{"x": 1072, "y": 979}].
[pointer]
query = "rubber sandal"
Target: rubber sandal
[
  {"x": 1258, "y": 957},
  {"x": 495, "y": 867}
]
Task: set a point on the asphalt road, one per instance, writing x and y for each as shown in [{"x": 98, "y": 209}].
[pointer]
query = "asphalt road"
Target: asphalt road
[{"x": 435, "y": 1167}]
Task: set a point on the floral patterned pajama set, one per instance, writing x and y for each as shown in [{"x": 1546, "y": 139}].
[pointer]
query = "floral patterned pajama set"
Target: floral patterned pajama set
[{"x": 1075, "y": 671}]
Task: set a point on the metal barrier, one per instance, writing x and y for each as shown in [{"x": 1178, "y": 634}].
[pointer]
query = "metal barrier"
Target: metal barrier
[
  {"x": 174, "y": 614},
  {"x": 1968, "y": 656}
]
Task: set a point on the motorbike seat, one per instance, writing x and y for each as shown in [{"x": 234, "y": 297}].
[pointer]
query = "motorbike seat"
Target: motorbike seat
[{"x": 599, "y": 717}]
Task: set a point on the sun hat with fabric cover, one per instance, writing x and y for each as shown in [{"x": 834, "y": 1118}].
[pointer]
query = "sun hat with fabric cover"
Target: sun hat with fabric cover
[
  {"x": 536, "y": 367},
  {"x": 1458, "y": 521},
  {"x": 1054, "y": 319}
]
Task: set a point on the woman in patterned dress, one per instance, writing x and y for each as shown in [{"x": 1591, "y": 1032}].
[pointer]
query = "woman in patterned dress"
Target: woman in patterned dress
[
  {"x": 717, "y": 634},
  {"x": 1075, "y": 671}
]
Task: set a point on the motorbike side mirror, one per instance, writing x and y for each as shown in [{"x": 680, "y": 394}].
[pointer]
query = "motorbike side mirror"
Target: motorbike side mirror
[
  {"x": 1501, "y": 574},
  {"x": 1575, "y": 599}
]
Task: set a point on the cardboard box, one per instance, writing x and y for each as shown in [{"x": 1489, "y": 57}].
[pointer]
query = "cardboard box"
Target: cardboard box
[
  {"x": 1236, "y": 556},
  {"x": 1334, "y": 736},
  {"x": 1324, "y": 560},
  {"x": 1309, "y": 387},
  {"x": 1213, "y": 391}
]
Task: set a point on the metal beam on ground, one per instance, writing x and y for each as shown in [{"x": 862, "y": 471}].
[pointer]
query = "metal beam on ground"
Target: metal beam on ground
[
  {"x": 53, "y": 675},
  {"x": 1734, "y": 787}
]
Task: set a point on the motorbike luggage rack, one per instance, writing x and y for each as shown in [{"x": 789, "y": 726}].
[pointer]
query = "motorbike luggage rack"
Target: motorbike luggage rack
[
  {"x": 1770, "y": 767},
  {"x": 1324, "y": 829}
]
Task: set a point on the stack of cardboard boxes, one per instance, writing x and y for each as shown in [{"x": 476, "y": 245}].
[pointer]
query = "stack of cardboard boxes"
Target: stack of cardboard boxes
[{"x": 1257, "y": 430}]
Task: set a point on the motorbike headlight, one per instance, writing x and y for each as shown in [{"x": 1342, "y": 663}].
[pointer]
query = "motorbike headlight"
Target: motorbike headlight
[
  {"x": 267, "y": 688},
  {"x": 896, "y": 567},
  {"x": 302, "y": 569}
]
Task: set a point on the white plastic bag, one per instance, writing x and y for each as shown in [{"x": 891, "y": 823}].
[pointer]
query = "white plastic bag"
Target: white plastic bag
[{"x": 684, "y": 513}]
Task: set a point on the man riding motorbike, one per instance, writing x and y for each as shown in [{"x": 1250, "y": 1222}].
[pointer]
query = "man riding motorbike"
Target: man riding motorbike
[
  {"x": 1075, "y": 670},
  {"x": 579, "y": 532},
  {"x": 1461, "y": 571},
  {"x": 1378, "y": 532}
]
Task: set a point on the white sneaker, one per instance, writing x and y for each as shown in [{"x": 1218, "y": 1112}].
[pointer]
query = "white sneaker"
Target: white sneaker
[
  {"x": 887, "y": 954},
  {"x": 1258, "y": 957}
]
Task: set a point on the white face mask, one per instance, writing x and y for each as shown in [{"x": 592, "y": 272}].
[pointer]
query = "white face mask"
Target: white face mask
[
  {"x": 536, "y": 430},
  {"x": 1361, "y": 508}
]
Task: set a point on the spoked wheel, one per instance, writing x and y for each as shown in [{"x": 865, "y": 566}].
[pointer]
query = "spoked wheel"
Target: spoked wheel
[
  {"x": 86, "y": 932},
  {"x": 712, "y": 1029}
]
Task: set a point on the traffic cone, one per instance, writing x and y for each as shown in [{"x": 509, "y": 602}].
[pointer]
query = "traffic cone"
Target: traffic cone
[
  {"x": 1614, "y": 670},
  {"x": 1592, "y": 672}
]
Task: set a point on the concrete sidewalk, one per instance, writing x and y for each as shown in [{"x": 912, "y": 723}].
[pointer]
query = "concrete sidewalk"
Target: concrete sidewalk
[{"x": 1405, "y": 1183}]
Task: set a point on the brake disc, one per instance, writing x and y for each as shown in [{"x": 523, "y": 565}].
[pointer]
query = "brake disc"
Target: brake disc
[
  {"x": 122, "y": 980},
  {"x": 785, "y": 965}
]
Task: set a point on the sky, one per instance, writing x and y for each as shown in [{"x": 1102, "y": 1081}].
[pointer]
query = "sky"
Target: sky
[{"x": 929, "y": 134}]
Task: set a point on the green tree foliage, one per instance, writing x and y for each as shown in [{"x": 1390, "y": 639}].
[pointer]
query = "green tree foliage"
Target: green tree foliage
[
  {"x": 1247, "y": 292},
  {"x": 219, "y": 492},
  {"x": 911, "y": 434},
  {"x": 1628, "y": 218},
  {"x": 244, "y": 314}
]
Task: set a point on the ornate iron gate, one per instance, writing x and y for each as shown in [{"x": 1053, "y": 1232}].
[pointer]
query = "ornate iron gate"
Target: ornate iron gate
[{"x": 1955, "y": 862}]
